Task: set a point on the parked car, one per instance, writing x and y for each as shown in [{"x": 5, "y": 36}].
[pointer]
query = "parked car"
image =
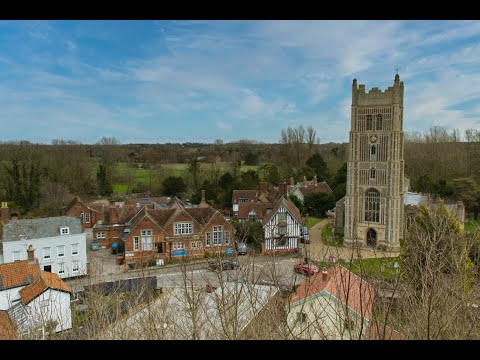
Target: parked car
[
  {"x": 223, "y": 264},
  {"x": 306, "y": 269},
  {"x": 305, "y": 236},
  {"x": 241, "y": 248},
  {"x": 95, "y": 246}
]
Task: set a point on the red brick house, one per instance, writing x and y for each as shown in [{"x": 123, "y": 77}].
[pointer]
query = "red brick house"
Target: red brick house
[
  {"x": 89, "y": 216},
  {"x": 177, "y": 232},
  {"x": 251, "y": 196}
]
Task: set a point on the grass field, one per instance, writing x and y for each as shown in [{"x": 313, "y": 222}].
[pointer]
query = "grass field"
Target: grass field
[
  {"x": 327, "y": 238},
  {"x": 472, "y": 225},
  {"x": 311, "y": 221},
  {"x": 380, "y": 268}
]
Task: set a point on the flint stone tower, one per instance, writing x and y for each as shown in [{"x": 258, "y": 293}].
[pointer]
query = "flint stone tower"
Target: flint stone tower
[{"x": 374, "y": 199}]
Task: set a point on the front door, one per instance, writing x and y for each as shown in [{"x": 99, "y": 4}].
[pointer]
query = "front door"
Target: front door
[
  {"x": 371, "y": 237},
  {"x": 47, "y": 268}
]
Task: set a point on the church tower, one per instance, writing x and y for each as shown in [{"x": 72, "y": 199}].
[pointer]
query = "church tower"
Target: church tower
[{"x": 374, "y": 198}]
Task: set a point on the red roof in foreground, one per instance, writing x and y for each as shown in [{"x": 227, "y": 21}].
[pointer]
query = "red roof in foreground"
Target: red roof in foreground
[
  {"x": 344, "y": 285},
  {"x": 7, "y": 330},
  {"x": 45, "y": 281}
]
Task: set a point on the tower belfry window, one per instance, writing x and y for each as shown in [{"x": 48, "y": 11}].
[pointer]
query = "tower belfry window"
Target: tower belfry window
[
  {"x": 373, "y": 173},
  {"x": 372, "y": 206},
  {"x": 379, "y": 124},
  {"x": 369, "y": 122},
  {"x": 373, "y": 150}
]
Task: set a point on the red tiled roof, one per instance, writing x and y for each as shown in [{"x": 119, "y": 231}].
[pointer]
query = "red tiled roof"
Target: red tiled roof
[
  {"x": 260, "y": 209},
  {"x": 244, "y": 194},
  {"x": 311, "y": 187},
  {"x": 161, "y": 216},
  {"x": 45, "y": 281},
  {"x": 7, "y": 329},
  {"x": 379, "y": 331},
  {"x": 201, "y": 215},
  {"x": 342, "y": 284},
  {"x": 18, "y": 273},
  {"x": 126, "y": 213}
]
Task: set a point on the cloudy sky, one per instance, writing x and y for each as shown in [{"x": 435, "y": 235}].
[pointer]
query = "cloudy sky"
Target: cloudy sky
[{"x": 180, "y": 81}]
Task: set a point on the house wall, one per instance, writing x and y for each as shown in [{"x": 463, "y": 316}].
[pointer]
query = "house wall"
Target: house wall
[
  {"x": 325, "y": 319},
  {"x": 158, "y": 237},
  {"x": 271, "y": 232},
  {"x": 7, "y": 297},
  {"x": 51, "y": 305},
  {"x": 52, "y": 242},
  {"x": 76, "y": 211},
  {"x": 112, "y": 234},
  {"x": 218, "y": 220}
]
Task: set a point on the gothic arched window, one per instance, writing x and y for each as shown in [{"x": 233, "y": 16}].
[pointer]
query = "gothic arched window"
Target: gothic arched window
[
  {"x": 373, "y": 173},
  {"x": 372, "y": 205},
  {"x": 369, "y": 122},
  {"x": 373, "y": 150},
  {"x": 379, "y": 124}
]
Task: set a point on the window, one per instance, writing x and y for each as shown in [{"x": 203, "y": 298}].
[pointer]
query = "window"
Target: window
[
  {"x": 193, "y": 244},
  {"x": 136, "y": 243},
  {"x": 199, "y": 244},
  {"x": 146, "y": 239},
  {"x": 217, "y": 235},
  {"x": 282, "y": 216},
  {"x": 61, "y": 268},
  {"x": 372, "y": 205},
  {"x": 101, "y": 235},
  {"x": 227, "y": 238},
  {"x": 369, "y": 122},
  {"x": 282, "y": 230},
  {"x": 242, "y": 200},
  {"x": 61, "y": 250},
  {"x": 373, "y": 150},
  {"x": 183, "y": 228},
  {"x": 301, "y": 318},
  {"x": 81, "y": 216},
  {"x": 282, "y": 241},
  {"x": 252, "y": 216},
  {"x": 373, "y": 173},
  {"x": 178, "y": 246},
  {"x": 208, "y": 238},
  {"x": 16, "y": 256},
  {"x": 64, "y": 231},
  {"x": 75, "y": 266},
  {"x": 87, "y": 217},
  {"x": 46, "y": 253},
  {"x": 379, "y": 122},
  {"x": 74, "y": 249}
]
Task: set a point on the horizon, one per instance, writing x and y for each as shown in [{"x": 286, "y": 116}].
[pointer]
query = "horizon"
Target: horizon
[{"x": 160, "y": 82}]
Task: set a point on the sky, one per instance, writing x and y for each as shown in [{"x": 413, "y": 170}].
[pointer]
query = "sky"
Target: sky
[{"x": 198, "y": 81}]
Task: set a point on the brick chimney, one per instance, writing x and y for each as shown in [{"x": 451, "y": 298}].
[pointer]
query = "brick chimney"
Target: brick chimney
[
  {"x": 30, "y": 254},
  {"x": 112, "y": 212},
  {"x": 263, "y": 187},
  {"x": 292, "y": 182},
  {"x": 315, "y": 180},
  {"x": 280, "y": 189},
  {"x": 4, "y": 218},
  {"x": 324, "y": 274},
  {"x": 304, "y": 181}
]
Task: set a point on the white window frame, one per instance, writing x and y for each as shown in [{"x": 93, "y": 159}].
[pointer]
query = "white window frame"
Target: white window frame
[
  {"x": 178, "y": 246},
  {"x": 15, "y": 258},
  {"x": 147, "y": 239},
  {"x": 73, "y": 246},
  {"x": 82, "y": 216},
  {"x": 75, "y": 263},
  {"x": 60, "y": 253},
  {"x": 208, "y": 239},
  {"x": 183, "y": 228},
  {"x": 64, "y": 230},
  {"x": 87, "y": 217},
  {"x": 199, "y": 244},
  {"x": 47, "y": 253},
  {"x": 136, "y": 243},
  {"x": 101, "y": 234},
  {"x": 227, "y": 238},
  {"x": 61, "y": 268},
  {"x": 217, "y": 235}
]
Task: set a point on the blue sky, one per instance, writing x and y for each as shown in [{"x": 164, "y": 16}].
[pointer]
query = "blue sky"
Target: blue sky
[{"x": 180, "y": 81}]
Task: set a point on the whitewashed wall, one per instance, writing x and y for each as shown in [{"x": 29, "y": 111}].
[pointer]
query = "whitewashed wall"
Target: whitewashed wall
[{"x": 52, "y": 305}]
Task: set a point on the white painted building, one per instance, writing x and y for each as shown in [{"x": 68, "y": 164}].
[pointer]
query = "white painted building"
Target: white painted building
[
  {"x": 36, "y": 301},
  {"x": 282, "y": 227},
  {"x": 59, "y": 243}
]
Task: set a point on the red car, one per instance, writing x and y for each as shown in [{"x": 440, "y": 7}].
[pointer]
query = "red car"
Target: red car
[{"x": 306, "y": 269}]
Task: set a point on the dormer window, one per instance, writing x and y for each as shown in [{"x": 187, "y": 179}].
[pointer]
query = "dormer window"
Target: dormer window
[
  {"x": 252, "y": 215},
  {"x": 64, "y": 230}
]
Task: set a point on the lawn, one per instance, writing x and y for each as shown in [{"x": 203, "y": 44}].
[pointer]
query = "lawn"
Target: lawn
[
  {"x": 379, "y": 268},
  {"x": 328, "y": 239},
  {"x": 311, "y": 221},
  {"x": 472, "y": 225}
]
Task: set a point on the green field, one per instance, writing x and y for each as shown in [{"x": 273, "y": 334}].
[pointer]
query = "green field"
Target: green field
[
  {"x": 311, "y": 221},
  {"x": 379, "y": 268},
  {"x": 328, "y": 239}
]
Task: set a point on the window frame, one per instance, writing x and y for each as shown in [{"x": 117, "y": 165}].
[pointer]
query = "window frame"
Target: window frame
[
  {"x": 372, "y": 205},
  {"x": 87, "y": 217},
  {"x": 77, "y": 263},
  {"x": 64, "y": 230},
  {"x": 13, "y": 255},
  {"x": 104, "y": 234},
  {"x": 183, "y": 228},
  {"x": 72, "y": 247},
  {"x": 58, "y": 251},
  {"x": 208, "y": 239},
  {"x": 61, "y": 268},
  {"x": 49, "y": 253},
  {"x": 217, "y": 232},
  {"x": 136, "y": 243}
]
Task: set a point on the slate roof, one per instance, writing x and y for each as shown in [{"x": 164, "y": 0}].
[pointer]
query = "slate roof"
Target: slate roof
[
  {"x": 344, "y": 286},
  {"x": 40, "y": 228}
]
